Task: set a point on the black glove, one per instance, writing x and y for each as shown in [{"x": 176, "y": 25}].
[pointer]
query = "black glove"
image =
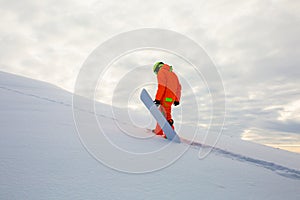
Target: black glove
[
  {"x": 171, "y": 122},
  {"x": 157, "y": 102},
  {"x": 176, "y": 103}
]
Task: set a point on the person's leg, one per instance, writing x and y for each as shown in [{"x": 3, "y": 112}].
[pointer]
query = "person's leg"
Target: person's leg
[
  {"x": 158, "y": 130},
  {"x": 168, "y": 115},
  {"x": 165, "y": 109}
]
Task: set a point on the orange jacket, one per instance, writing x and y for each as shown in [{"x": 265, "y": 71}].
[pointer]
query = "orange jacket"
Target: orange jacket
[{"x": 169, "y": 88}]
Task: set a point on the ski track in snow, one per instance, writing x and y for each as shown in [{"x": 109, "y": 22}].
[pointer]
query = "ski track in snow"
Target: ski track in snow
[{"x": 279, "y": 169}]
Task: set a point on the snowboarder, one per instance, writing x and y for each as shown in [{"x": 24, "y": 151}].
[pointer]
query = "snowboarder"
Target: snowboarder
[{"x": 168, "y": 92}]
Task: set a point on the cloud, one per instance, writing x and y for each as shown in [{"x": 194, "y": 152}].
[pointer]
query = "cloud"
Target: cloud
[
  {"x": 273, "y": 138},
  {"x": 255, "y": 45}
]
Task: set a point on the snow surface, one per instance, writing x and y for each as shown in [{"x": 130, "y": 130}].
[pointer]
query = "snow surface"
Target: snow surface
[{"x": 42, "y": 157}]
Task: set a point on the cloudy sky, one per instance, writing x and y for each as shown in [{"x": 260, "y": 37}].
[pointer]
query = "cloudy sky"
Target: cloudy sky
[{"x": 255, "y": 45}]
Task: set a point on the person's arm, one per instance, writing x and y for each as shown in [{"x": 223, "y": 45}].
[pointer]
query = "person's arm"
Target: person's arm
[
  {"x": 178, "y": 93},
  {"x": 161, "y": 80}
]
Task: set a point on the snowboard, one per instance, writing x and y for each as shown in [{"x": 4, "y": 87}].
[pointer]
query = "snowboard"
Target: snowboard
[{"x": 161, "y": 120}]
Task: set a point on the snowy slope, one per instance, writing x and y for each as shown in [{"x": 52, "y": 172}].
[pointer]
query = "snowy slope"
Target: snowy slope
[{"x": 42, "y": 157}]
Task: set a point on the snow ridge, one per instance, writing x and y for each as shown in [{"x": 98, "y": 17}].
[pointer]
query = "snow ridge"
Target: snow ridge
[{"x": 279, "y": 169}]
